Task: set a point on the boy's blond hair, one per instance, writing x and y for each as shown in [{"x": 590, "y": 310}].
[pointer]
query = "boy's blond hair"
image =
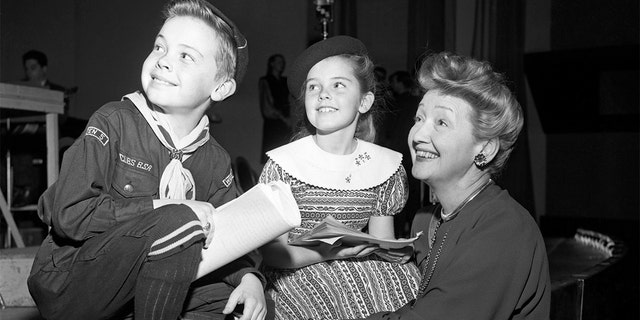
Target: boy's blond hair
[{"x": 227, "y": 55}]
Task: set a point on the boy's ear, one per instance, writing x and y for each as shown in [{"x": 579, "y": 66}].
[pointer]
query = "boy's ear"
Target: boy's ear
[
  {"x": 366, "y": 102},
  {"x": 224, "y": 90}
]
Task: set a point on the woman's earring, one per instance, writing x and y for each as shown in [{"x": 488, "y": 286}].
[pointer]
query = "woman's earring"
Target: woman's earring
[{"x": 480, "y": 160}]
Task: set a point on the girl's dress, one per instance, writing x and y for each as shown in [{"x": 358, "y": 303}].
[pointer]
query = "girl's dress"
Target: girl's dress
[{"x": 351, "y": 188}]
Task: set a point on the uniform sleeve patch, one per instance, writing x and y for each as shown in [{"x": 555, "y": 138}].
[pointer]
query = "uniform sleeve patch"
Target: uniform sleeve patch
[
  {"x": 98, "y": 134},
  {"x": 228, "y": 180}
]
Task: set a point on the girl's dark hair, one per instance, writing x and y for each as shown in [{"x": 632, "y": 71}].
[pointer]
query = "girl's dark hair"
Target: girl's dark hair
[{"x": 367, "y": 122}]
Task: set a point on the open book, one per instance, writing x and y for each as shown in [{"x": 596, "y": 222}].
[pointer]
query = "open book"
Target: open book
[
  {"x": 333, "y": 232},
  {"x": 258, "y": 216}
]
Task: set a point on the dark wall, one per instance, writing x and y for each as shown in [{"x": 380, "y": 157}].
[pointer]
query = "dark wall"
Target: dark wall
[
  {"x": 584, "y": 24},
  {"x": 43, "y": 25},
  {"x": 586, "y": 93}
]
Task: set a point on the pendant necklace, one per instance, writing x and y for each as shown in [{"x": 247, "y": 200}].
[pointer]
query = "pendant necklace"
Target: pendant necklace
[{"x": 426, "y": 278}]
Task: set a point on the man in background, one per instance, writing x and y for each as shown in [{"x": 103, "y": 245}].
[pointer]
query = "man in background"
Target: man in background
[
  {"x": 35, "y": 65},
  {"x": 25, "y": 139}
]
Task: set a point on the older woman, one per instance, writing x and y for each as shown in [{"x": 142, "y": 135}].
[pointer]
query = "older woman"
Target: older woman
[{"x": 483, "y": 256}]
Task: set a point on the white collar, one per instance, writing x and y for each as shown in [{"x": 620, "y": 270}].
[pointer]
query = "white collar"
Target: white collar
[{"x": 368, "y": 166}]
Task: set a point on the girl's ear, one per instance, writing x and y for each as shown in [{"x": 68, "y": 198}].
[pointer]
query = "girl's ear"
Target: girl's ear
[
  {"x": 366, "y": 102},
  {"x": 224, "y": 90}
]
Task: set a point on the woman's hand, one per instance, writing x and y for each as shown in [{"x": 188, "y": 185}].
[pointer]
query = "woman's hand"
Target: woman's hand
[
  {"x": 330, "y": 252},
  {"x": 401, "y": 255}
]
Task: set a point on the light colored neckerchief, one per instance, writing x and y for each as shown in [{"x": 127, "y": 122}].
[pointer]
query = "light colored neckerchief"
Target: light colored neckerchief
[{"x": 176, "y": 181}]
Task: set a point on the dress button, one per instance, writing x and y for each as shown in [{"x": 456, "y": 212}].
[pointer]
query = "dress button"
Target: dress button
[{"x": 128, "y": 188}]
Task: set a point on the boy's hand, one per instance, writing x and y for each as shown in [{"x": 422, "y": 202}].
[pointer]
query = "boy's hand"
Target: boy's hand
[
  {"x": 251, "y": 294},
  {"x": 204, "y": 210}
]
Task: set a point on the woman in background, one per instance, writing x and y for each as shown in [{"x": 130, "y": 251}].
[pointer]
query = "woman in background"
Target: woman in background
[{"x": 274, "y": 105}]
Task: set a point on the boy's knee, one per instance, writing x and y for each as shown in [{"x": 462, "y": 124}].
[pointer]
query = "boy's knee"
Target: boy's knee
[
  {"x": 176, "y": 227},
  {"x": 167, "y": 219}
]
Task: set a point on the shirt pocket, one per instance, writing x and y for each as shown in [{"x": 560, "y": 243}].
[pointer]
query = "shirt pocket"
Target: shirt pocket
[{"x": 132, "y": 183}]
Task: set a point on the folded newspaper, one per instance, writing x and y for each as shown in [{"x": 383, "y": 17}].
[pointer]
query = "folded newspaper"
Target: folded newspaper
[
  {"x": 333, "y": 232},
  {"x": 244, "y": 224}
]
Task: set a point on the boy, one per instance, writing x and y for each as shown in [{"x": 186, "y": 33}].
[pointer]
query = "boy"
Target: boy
[{"x": 131, "y": 211}]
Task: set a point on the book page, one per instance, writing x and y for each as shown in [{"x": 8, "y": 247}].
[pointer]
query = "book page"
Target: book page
[
  {"x": 258, "y": 216},
  {"x": 333, "y": 232}
]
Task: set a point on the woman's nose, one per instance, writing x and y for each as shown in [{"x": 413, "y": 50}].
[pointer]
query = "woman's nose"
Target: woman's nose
[{"x": 420, "y": 132}]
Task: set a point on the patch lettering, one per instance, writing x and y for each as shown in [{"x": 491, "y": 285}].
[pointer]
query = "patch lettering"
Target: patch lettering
[
  {"x": 98, "y": 134},
  {"x": 134, "y": 163},
  {"x": 228, "y": 180}
]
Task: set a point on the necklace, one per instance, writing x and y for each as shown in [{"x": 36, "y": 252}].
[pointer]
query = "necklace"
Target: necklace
[
  {"x": 454, "y": 213},
  {"x": 426, "y": 277}
]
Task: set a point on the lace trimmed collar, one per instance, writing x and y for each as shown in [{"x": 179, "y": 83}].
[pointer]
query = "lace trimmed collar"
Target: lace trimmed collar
[{"x": 368, "y": 166}]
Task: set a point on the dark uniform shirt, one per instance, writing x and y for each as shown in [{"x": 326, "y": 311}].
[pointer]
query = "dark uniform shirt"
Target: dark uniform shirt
[{"x": 112, "y": 174}]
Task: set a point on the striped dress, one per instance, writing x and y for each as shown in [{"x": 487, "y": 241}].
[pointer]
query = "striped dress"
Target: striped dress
[{"x": 349, "y": 288}]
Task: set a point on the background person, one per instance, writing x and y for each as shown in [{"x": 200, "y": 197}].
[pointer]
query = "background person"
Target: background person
[
  {"x": 36, "y": 65},
  {"x": 274, "y": 105}
]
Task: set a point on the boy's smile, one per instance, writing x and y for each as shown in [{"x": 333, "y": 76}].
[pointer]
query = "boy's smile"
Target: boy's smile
[
  {"x": 179, "y": 75},
  {"x": 160, "y": 80}
]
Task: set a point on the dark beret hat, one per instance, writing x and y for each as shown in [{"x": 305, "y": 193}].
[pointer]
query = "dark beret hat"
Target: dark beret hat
[
  {"x": 242, "y": 59},
  {"x": 318, "y": 51}
]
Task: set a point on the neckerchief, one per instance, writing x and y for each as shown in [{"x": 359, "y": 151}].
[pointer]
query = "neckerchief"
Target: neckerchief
[{"x": 176, "y": 181}]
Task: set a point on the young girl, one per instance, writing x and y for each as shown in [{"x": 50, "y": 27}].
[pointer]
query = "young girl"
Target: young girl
[{"x": 334, "y": 170}]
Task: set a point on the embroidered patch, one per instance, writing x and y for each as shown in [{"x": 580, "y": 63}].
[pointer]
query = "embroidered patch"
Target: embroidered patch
[
  {"x": 228, "y": 180},
  {"x": 135, "y": 163},
  {"x": 98, "y": 134}
]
